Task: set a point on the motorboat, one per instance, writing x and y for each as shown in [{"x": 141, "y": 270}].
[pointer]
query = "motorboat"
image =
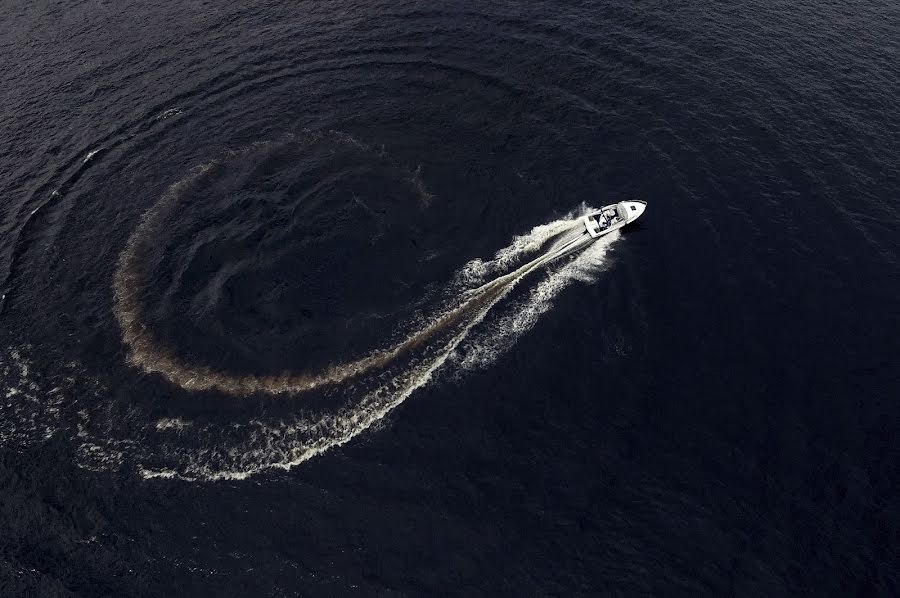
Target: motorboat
[{"x": 613, "y": 217}]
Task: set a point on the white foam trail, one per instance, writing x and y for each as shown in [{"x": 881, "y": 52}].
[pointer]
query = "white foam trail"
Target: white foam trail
[
  {"x": 169, "y": 113},
  {"x": 499, "y": 336},
  {"x": 172, "y": 423},
  {"x": 333, "y": 430},
  {"x": 147, "y": 353},
  {"x": 28, "y": 413},
  {"x": 238, "y": 450},
  {"x": 288, "y": 444},
  {"x": 477, "y": 272}
]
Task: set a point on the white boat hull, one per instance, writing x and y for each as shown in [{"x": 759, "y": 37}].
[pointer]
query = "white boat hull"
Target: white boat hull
[{"x": 613, "y": 217}]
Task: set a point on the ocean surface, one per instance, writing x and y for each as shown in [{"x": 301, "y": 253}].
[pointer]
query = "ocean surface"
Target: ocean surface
[{"x": 292, "y": 301}]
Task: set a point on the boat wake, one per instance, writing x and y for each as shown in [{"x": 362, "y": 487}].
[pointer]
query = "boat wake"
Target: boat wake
[
  {"x": 561, "y": 238},
  {"x": 287, "y": 443},
  {"x": 110, "y": 436},
  {"x": 344, "y": 399}
]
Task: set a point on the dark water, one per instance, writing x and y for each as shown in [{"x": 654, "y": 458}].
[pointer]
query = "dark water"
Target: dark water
[{"x": 705, "y": 405}]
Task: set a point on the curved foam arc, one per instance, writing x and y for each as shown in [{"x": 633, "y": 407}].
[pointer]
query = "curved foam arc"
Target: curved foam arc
[
  {"x": 285, "y": 444},
  {"x": 241, "y": 450},
  {"x": 145, "y": 352},
  {"x": 335, "y": 430},
  {"x": 148, "y": 354}
]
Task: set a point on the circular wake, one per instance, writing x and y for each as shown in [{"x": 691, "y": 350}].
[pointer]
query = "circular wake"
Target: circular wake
[
  {"x": 153, "y": 275},
  {"x": 148, "y": 353},
  {"x": 257, "y": 446}
]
